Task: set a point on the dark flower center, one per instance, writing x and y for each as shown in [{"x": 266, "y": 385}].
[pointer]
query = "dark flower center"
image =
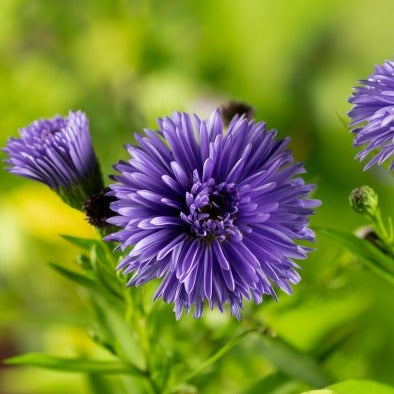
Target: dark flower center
[
  {"x": 212, "y": 210},
  {"x": 219, "y": 204}
]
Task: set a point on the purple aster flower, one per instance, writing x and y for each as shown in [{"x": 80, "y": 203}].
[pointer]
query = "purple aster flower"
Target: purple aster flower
[
  {"x": 213, "y": 212},
  {"x": 373, "y": 116},
  {"x": 59, "y": 153}
]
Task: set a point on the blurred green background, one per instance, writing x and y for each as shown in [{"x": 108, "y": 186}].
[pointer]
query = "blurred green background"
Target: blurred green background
[{"x": 127, "y": 62}]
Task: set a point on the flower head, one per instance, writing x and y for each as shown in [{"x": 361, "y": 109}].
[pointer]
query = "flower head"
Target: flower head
[
  {"x": 213, "y": 212},
  {"x": 373, "y": 116},
  {"x": 59, "y": 153}
]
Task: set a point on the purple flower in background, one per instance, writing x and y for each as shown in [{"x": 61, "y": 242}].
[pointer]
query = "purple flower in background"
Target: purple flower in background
[
  {"x": 213, "y": 212},
  {"x": 373, "y": 116},
  {"x": 59, "y": 153}
]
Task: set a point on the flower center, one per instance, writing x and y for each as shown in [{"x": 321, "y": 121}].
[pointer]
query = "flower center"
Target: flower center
[
  {"x": 218, "y": 206},
  {"x": 212, "y": 210}
]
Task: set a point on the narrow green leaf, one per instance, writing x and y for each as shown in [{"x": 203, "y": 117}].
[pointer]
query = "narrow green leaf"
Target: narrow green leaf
[
  {"x": 333, "y": 340},
  {"x": 291, "y": 361},
  {"x": 114, "y": 321},
  {"x": 216, "y": 356},
  {"x": 358, "y": 246},
  {"x": 268, "y": 384},
  {"x": 84, "y": 281},
  {"x": 74, "y": 364},
  {"x": 75, "y": 277},
  {"x": 83, "y": 243},
  {"x": 371, "y": 256},
  {"x": 285, "y": 357},
  {"x": 99, "y": 252},
  {"x": 105, "y": 270},
  {"x": 100, "y": 384},
  {"x": 342, "y": 120}
]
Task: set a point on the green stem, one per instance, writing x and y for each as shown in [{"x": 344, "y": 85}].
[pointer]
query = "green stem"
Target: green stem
[
  {"x": 381, "y": 231},
  {"x": 216, "y": 356},
  {"x": 153, "y": 385},
  {"x": 136, "y": 314}
]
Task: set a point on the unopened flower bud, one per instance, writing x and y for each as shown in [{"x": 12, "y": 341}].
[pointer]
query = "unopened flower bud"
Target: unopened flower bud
[
  {"x": 364, "y": 200},
  {"x": 97, "y": 209},
  {"x": 232, "y": 108}
]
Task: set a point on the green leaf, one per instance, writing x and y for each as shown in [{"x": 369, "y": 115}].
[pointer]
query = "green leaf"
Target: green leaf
[
  {"x": 333, "y": 340},
  {"x": 83, "y": 243},
  {"x": 342, "y": 120},
  {"x": 120, "y": 330},
  {"x": 292, "y": 362},
  {"x": 105, "y": 269},
  {"x": 99, "y": 252},
  {"x": 355, "y": 387},
  {"x": 269, "y": 384},
  {"x": 100, "y": 259},
  {"x": 370, "y": 255},
  {"x": 100, "y": 384},
  {"x": 361, "y": 387},
  {"x": 74, "y": 364},
  {"x": 75, "y": 277},
  {"x": 84, "y": 281},
  {"x": 285, "y": 357},
  {"x": 217, "y": 355}
]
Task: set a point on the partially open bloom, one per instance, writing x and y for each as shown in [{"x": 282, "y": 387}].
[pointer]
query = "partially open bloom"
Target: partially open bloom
[
  {"x": 59, "y": 153},
  {"x": 373, "y": 116},
  {"x": 213, "y": 212}
]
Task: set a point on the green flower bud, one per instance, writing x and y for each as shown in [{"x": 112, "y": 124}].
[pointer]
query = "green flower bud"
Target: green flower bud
[{"x": 364, "y": 200}]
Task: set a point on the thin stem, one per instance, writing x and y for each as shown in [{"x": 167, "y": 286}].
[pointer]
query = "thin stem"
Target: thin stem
[
  {"x": 152, "y": 384},
  {"x": 139, "y": 320},
  {"x": 385, "y": 236},
  {"x": 380, "y": 227},
  {"x": 391, "y": 230},
  {"x": 220, "y": 353}
]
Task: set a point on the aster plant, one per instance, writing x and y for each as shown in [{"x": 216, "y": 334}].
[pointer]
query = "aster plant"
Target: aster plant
[
  {"x": 214, "y": 212},
  {"x": 59, "y": 153},
  {"x": 213, "y": 208},
  {"x": 372, "y": 116},
  {"x": 372, "y": 122}
]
